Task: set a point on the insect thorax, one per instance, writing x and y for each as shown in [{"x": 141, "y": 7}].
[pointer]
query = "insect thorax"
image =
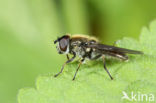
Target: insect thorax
[{"x": 82, "y": 51}]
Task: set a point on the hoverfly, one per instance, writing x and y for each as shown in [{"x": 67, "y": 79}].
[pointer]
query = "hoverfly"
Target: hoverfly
[{"x": 90, "y": 48}]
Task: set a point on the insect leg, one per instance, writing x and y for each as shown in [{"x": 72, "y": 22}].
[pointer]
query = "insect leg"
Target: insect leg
[
  {"x": 78, "y": 68},
  {"x": 96, "y": 57},
  {"x": 68, "y": 61},
  {"x": 67, "y": 56},
  {"x": 121, "y": 56},
  {"x": 106, "y": 68}
]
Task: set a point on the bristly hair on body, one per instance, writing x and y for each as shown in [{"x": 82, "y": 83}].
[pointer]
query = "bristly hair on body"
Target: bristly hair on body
[{"x": 84, "y": 36}]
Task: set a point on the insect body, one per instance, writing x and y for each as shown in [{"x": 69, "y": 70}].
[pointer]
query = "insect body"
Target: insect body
[{"x": 89, "y": 48}]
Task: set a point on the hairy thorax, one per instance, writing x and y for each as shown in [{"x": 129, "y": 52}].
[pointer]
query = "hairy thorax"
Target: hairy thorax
[{"x": 78, "y": 44}]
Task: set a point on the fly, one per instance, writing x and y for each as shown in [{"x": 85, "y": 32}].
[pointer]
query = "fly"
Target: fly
[{"x": 89, "y": 48}]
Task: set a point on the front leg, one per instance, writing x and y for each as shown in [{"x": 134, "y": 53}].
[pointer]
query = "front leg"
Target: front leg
[
  {"x": 67, "y": 56},
  {"x": 68, "y": 61}
]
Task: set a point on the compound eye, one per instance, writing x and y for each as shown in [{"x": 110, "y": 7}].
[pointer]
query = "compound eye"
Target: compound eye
[{"x": 63, "y": 43}]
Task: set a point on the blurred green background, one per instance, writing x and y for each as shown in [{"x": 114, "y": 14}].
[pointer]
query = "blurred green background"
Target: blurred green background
[{"x": 29, "y": 27}]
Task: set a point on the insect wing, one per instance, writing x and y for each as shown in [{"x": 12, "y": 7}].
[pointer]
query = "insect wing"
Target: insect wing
[{"x": 107, "y": 48}]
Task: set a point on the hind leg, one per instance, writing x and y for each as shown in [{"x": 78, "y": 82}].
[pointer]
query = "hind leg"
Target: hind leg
[{"x": 106, "y": 68}]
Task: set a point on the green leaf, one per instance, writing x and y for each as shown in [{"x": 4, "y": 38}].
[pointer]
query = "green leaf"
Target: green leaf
[{"x": 92, "y": 83}]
